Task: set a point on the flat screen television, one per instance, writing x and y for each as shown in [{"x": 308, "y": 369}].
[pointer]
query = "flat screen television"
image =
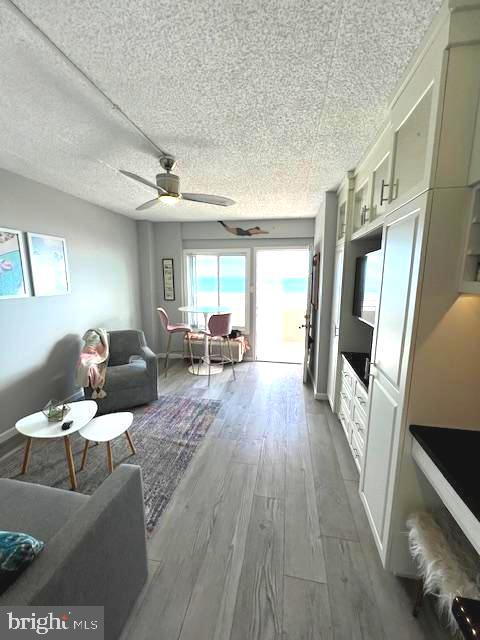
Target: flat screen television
[{"x": 368, "y": 277}]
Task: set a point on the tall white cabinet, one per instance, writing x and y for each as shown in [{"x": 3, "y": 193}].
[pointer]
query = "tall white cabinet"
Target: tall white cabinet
[
  {"x": 416, "y": 194},
  {"x": 335, "y": 326},
  {"x": 402, "y": 237}
]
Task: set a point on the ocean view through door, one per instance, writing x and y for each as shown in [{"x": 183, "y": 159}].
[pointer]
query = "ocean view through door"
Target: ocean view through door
[{"x": 281, "y": 285}]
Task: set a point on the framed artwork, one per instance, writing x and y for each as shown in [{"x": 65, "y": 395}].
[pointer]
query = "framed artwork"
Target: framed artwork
[
  {"x": 14, "y": 279},
  {"x": 168, "y": 279},
  {"x": 315, "y": 281},
  {"x": 49, "y": 265}
]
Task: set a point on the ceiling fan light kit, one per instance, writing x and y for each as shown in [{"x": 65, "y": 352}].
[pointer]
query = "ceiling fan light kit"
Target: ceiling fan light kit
[{"x": 167, "y": 186}]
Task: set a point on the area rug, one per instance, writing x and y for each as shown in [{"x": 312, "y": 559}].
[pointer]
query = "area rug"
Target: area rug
[{"x": 166, "y": 434}]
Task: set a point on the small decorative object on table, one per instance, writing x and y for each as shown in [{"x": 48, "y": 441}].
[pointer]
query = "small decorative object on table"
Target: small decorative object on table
[{"x": 55, "y": 411}]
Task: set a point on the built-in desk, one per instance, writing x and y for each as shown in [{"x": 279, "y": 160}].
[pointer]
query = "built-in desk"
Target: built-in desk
[{"x": 450, "y": 460}]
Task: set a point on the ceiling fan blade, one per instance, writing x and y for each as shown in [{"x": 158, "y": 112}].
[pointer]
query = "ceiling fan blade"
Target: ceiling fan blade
[
  {"x": 208, "y": 199},
  {"x": 147, "y": 205},
  {"x": 134, "y": 176}
]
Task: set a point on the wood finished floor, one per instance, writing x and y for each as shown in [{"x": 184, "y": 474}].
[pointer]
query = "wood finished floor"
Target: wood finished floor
[{"x": 265, "y": 537}]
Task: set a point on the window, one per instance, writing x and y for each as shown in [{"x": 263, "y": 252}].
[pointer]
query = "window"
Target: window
[{"x": 219, "y": 278}]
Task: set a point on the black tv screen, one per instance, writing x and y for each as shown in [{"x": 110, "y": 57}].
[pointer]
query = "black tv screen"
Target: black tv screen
[{"x": 368, "y": 278}]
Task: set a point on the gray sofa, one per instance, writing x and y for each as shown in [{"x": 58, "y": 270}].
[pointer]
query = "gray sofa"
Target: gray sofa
[
  {"x": 128, "y": 384},
  {"x": 95, "y": 549}
]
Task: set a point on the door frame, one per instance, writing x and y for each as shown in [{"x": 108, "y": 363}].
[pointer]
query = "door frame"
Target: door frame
[{"x": 301, "y": 246}]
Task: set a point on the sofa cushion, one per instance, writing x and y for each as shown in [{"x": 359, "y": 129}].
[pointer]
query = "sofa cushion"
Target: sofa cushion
[
  {"x": 35, "y": 509},
  {"x": 17, "y": 551},
  {"x": 126, "y": 376}
]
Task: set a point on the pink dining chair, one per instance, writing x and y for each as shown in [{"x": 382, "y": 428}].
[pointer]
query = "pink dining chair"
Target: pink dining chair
[
  {"x": 171, "y": 328},
  {"x": 218, "y": 330}
]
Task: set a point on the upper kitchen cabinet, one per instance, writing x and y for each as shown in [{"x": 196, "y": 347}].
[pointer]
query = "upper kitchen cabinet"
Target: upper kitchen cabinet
[
  {"x": 458, "y": 150},
  {"x": 432, "y": 134},
  {"x": 415, "y": 119},
  {"x": 344, "y": 199},
  {"x": 372, "y": 189},
  {"x": 341, "y": 221}
]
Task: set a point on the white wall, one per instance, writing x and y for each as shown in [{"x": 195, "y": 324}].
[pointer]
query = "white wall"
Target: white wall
[
  {"x": 324, "y": 243},
  {"x": 169, "y": 240},
  {"x": 41, "y": 335}
]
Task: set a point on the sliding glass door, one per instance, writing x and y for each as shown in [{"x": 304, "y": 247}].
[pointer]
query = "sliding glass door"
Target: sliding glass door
[{"x": 281, "y": 301}]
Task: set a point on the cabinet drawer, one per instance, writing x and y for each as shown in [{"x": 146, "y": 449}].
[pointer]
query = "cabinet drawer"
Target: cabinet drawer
[
  {"x": 348, "y": 380},
  {"x": 361, "y": 396},
  {"x": 344, "y": 417},
  {"x": 357, "y": 451},
  {"x": 359, "y": 424}
]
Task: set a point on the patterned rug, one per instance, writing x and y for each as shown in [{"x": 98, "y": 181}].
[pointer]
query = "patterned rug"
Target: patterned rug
[{"x": 165, "y": 433}]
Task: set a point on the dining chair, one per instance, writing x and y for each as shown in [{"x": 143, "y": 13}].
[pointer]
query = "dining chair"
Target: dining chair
[
  {"x": 218, "y": 329},
  {"x": 171, "y": 328}
]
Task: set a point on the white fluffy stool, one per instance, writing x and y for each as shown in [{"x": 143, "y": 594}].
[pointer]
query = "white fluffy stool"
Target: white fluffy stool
[{"x": 448, "y": 565}]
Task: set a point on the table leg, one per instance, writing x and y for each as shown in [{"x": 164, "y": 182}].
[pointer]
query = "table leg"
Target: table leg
[
  {"x": 205, "y": 342},
  {"x": 109, "y": 457},
  {"x": 130, "y": 442},
  {"x": 85, "y": 453},
  {"x": 26, "y": 455},
  {"x": 70, "y": 463}
]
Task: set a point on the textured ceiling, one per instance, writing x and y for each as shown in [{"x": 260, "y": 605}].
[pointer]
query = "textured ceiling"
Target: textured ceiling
[{"x": 266, "y": 101}]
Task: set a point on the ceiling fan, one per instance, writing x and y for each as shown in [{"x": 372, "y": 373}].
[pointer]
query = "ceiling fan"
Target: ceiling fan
[{"x": 168, "y": 188}]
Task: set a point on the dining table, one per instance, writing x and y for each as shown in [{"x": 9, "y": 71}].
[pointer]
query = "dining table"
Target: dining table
[{"x": 206, "y": 311}]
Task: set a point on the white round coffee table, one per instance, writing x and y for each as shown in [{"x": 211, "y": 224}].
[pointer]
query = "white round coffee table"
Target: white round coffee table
[
  {"x": 37, "y": 425},
  {"x": 105, "y": 429}
]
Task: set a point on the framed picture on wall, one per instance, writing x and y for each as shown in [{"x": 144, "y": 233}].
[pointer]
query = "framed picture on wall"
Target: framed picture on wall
[
  {"x": 14, "y": 277},
  {"x": 49, "y": 265},
  {"x": 168, "y": 279}
]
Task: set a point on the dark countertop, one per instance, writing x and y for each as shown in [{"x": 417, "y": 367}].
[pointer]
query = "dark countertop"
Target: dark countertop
[
  {"x": 467, "y": 614},
  {"x": 456, "y": 454},
  {"x": 357, "y": 361}
]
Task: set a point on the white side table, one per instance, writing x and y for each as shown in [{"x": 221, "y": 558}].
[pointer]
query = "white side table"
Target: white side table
[
  {"x": 105, "y": 429},
  {"x": 37, "y": 425}
]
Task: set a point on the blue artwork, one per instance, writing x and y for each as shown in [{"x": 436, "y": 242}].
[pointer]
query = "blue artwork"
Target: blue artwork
[
  {"x": 48, "y": 259},
  {"x": 13, "y": 283}
]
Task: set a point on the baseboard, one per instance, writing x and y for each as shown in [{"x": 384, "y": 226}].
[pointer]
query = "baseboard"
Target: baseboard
[
  {"x": 401, "y": 562},
  {"x": 6, "y": 435},
  {"x": 172, "y": 356},
  {"x": 316, "y": 394}
]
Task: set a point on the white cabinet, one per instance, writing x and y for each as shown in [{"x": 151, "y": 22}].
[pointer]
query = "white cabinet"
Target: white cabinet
[
  {"x": 470, "y": 269},
  {"x": 380, "y": 188},
  {"x": 474, "y": 170},
  {"x": 372, "y": 191},
  {"x": 411, "y": 150},
  {"x": 415, "y": 117},
  {"x": 402, "y": 246},
  {"x": 335, "y": 327},
  {"x": 361, "y": 208},
  {"x": 341, "y": 221},
  {"x": 353, "y": 399}
]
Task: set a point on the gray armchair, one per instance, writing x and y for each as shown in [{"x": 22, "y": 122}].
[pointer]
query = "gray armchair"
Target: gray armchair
[{"x": 129, "y": 383}]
